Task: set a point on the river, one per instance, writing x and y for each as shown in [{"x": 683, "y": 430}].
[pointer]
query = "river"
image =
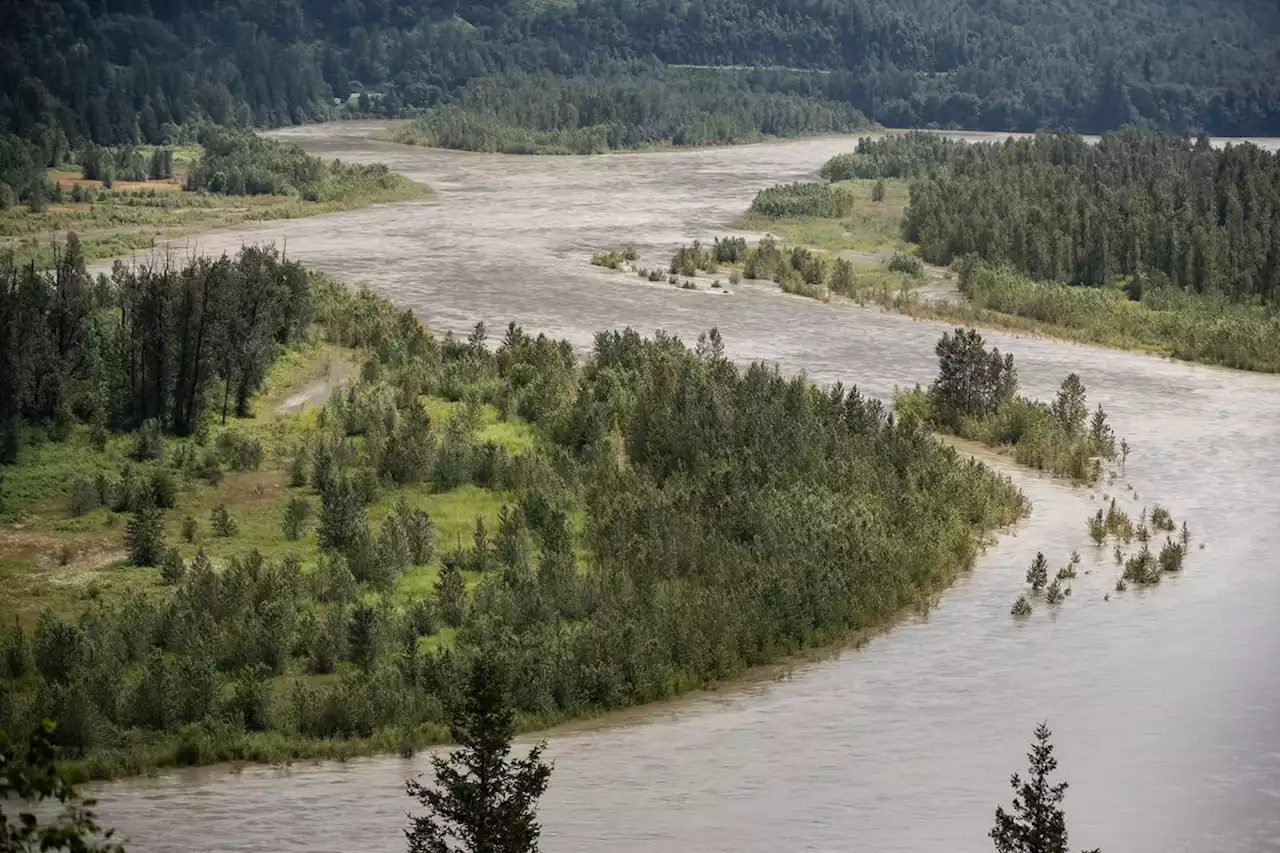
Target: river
[{"x": 1165, "y": 703}]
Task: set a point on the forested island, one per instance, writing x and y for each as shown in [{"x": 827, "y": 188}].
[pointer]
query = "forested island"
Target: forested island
[
  {"x": 1144, "y": 240},
  {"x": 203, "y": 574}
]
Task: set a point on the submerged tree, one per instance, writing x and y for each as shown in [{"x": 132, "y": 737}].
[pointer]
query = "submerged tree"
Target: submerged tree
[
  {"x": 483, "y": 800},
  {"x": 1038, "y": 574},
  {"x": 1037, "y": 824}
]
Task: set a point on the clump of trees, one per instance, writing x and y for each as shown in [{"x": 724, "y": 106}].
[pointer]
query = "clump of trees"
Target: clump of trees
[
  {"x": 1159, "y": 211},
  {"x": 125, "y": 163},
  {"x": 670, "y": 456},
  {"x": 909, "y": 155},
  {"x": 975, "y": 396},
  {"x": 542, "y": 113},
  {"x": 615, "y": 259},
  {"x": 244, "y": 163},
  {"x": 803, "y": 199},
  {"x": 148, "y": 345}
]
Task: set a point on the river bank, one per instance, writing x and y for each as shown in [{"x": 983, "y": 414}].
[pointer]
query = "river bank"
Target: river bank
[{"x": 844, "y": 747}]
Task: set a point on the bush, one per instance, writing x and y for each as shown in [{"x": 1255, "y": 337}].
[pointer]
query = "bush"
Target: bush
[
  {"x": 907, "y": 264},
  {"x": 296, "y": 513},
  {"x": 239, "y": 452},
  {"x": 148, "y": 442}
]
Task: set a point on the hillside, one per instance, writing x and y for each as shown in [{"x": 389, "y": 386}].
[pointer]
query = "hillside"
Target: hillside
[{"x": 118, "y": 71}]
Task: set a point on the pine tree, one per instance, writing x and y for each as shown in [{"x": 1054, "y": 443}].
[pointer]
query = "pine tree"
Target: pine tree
[
  {"x": 1038, "y": 574},
  {"x": 1069, "y": 408},
  {"x": 451, "y": 591},
  {"x": 144, "y": 534},
  {"x": 296, "y": 513},
  {"x": 483, "y": 800},
  {"x": 222, "y": 522},
  {"x": 1037, "y": 824}
]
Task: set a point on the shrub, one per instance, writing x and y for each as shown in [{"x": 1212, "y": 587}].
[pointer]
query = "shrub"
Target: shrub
[
  {"x": 296, "y": 513},
  {"x": 907, "y": 264}
]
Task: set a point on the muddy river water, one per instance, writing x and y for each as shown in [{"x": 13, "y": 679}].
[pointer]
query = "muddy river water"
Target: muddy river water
[{"x": 1165, "y": 704}]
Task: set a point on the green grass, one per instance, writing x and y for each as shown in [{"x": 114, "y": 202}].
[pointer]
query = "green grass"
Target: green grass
[
  {"x": 32, "y": 572},
  {"x": 871, "y": 226}
]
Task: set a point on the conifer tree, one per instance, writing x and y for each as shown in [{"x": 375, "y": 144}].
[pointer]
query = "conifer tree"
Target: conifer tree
[
  {"x": 144, "y": 533},
  {"x": 483, "y": 799},
  {"x": 1037, "y": 824}
]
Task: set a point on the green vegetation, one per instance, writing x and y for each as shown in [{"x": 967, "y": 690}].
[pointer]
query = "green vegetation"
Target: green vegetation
[
  {"x": 239, "y": 178},
  {"x": 242, "y": 163},
  {"x": 616, "y": 259},
  {"x": 1155, "y": 209},
  {"x": 517, "y": 113},
  {"x": 482, "y": 800},
  {"x": 975, "y": 397},
  {"x": 1037, "y": 823},
  {"x": 1021, "y": 607},
  {"x": 615, "y": 531},
  {"x": 29, "y": 777},
  {"x": 909, "y": 155},
  {"x": 811, "y": 199},
  {"x": 1207, "y": 329},
  {"x": 1145, "y": 567},
  {"x": 868, "y": 224}
]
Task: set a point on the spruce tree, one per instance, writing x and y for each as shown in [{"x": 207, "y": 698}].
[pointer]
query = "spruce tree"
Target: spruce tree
[
  {"x": 1037, "y": 824},
  {"x": 144, "y": 533},
  {"x": 483, "y": 800},
  {"x": 1038, "y": 574},
  {"x": 451, "y": 591}
]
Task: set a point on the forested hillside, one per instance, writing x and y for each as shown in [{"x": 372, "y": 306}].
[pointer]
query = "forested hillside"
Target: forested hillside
[{"x": 118, "y": 71}]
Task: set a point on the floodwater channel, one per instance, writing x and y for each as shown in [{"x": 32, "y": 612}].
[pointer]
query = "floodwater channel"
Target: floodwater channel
[{"x": 1165, "y": 703}]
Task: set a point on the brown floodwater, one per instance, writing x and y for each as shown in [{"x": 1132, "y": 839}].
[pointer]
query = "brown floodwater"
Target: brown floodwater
[{"x": 1165, "y": 703}]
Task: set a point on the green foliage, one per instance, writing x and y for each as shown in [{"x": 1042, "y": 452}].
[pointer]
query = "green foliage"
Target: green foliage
[
  {"x": 907, "y": 264},
  {"x": 1038, "y": 574},
  {"x": 614, "y": 259},
  {"x": 242, "y": 163},
  {"x": 296, "y": 514},
  {"x": 1162, "y": 210},
  {"x": 29, "y": 776},
  {"x": 144, "y": 535},
  {"x": 1021, "y": 607},
  {"x": 483, "y": 799},
  {"x": 908, "y": 155},
  {"x": 1053, "y": 594},
  {"x": 1190, "y": 326},
  {"x": 1037, "y": 823},
  {"x": 222, "y": 523},
  {"x": 811, "y": 199},
  {"x": 607, "y": 566},
  {"x": 520, "y": 113},
  {"x": 974, "y": 397}
]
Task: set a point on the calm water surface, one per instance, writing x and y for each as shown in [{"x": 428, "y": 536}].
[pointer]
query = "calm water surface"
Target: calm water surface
[{"x": 1165, "y": 704}]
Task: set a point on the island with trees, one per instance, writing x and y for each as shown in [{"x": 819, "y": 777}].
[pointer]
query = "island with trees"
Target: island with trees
[
  {"x": 205, "y": 574},
  {"x": 1144, "y": 240}
]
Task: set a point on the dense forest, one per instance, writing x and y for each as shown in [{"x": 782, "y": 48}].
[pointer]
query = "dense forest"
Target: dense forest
[
  {"x": 128, "y": 71},
  {"x": 672, "y": 519},
  {"x": 1141, "y": 206},
  {"x": 521, "y": 113}
]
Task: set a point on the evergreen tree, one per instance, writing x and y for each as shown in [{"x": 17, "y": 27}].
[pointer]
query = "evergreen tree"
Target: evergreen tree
[
  {"x": 144, "y": 533},
  {"x": 1038, "y": 574},
  {"x": 483, "y": 800},
  {"x": 296, "y": 513},
  {"x": 451, "y": 591},
  {"x": 1037, "y": 824},
  {"x": 222, "y": 522},
  {"x": 1069, "y": 406}
]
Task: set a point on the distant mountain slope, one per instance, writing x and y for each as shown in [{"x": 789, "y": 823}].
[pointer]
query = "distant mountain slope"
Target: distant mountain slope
[{"x": 119, "y": 70}]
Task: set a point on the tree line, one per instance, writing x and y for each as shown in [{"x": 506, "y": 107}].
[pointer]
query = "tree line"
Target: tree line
[
  {"x": 118, "y": 72},
  {"x": 542, "y": 113},
  {"x": 1155, "y": 209},
  {"x": 145, "y": 345},
  {"x": 727, "y": 517}
]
